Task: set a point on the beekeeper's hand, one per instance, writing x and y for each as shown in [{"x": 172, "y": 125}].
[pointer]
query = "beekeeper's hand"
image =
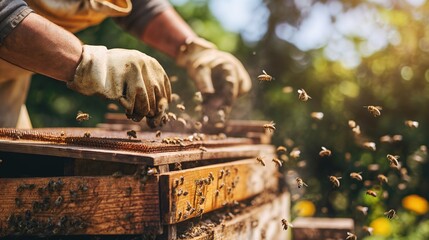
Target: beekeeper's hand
[
  {"x": 136, "y": 80},
  {"x": 219, "y": 76}
]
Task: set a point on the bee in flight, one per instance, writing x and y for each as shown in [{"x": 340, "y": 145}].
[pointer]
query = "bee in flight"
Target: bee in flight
[
  {"x": 81, "y": 116},
  {"x": 390, "y": 214},
  {"x": 393, "y": 160},
  {"x": 265, "y": 77},
  {"x": 351, "y": 236},
  {"x": 374, "y": 110},
  {"x": 302, "y": 95},
  {"x": 300, "y": 182},
  {"x": 411, "y": 124},
  {"x": 270, "y": 126},
  {"x": 260, "y": 160},
  {"x": 382, "y": 179},
  {"x": 335, "y": 181},
  {"x": 356, "y": 175},
  {"x": 286, "y": 224},
  {"x": 371, "y": 193},
  {"x": 278, "y": 162},
  {"x": 325, "y": 152}
]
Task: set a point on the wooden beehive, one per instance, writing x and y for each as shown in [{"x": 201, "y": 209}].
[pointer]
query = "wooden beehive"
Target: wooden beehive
[{"x": 57, "y": 182}]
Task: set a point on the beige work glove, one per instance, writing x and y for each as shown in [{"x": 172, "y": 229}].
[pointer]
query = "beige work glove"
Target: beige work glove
[
  {"x": 219, "y": 76},
  {"x": 136, "y": 80}
]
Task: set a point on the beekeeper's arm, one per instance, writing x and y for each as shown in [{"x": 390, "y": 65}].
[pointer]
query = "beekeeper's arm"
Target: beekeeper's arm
[
  {"x": 217, "y": 74},
  {"x": 136, "y": 80}
]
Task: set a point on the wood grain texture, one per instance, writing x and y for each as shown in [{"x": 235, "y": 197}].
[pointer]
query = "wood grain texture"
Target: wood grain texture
[
  {"x": 83, "y": 205},
  {"x": 153, "y": 159},
  {"x": 190, "y": 193},
  {"x": 321, "y": 228},
  {"x": 258, "y": 223}
]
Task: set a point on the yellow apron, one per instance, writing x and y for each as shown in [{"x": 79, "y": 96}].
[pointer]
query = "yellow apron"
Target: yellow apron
[{"x": 76, "y": 15}]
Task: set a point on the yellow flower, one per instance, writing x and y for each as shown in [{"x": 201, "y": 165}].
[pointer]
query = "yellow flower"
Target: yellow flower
[
  {"x": 415, "y": 203},
  {"x": 304, "y": 208},
  {"x": 381, "y": 226}
]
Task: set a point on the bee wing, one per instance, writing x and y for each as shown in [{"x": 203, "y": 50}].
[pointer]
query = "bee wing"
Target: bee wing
[
  {"x": 305, "y": 184},
  {"x": 379, "y": 108},
  {"x": 290, "y": 225},
  {"x": 263, "y": 71},
  {"x": 339, "y": 178}
]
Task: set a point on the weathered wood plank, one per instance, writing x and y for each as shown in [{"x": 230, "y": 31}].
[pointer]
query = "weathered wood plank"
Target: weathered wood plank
[
  {"x": 79, "y": 205},
  {"x": 153, "y": 159},
  {"x": 192, "y": 192},
  {"x": 258, "y": 223},
  {"x": 321, "y": 228}
]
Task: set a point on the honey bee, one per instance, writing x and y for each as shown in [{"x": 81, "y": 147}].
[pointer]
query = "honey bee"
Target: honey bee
[
  {"x": 181, "y": 107},
  {"x": 325, "y": 152},
  {"x": 198, "y": 97},
  {"x": 393, "y": 160},
  {"x": 270, "y": 126},
  {"x": 351, "y": 236},
  {"x": 300, "y": 182},
  {"x": 175, "y": 97},
  {"x": 352, "y": 123},
  {"x": 386, "y": 139},
  {"x": 397, "y": 138},
  {"x": 265, "y": 77},
  {"x": 81, "y": 116},
  {"x": 390, "y": 214},
  {"x": 152, "y": 171},
  {"x": 203, "y": 149},
  {"x": 356, "y": 175},
  {"x": 371, "y": 193},
  {"x": 278, "y": 162},
  {"x": 368, "y": 230},
  {"x": 362, "y": 209},
  {"x": 158, "y": 133},
  {"x": 317, "y": 115},
  {"x": 87, "y": 134},
  {"x": 356, "y": 130},
  {"x": 260, "y": 160},
  {"x": 335, "y": 181},
  {"x": 411, "y": 124},
  {"x": 286, "y": 224},
  {"x": 112, "y": 107},
  {"x": 281, "y": 149},
  {"x": 295, "y": 153},
  {"x": 382, "y": 178},
  {"x": 198, "y": 126},
  {"x": 188, "y": 206},
  {"x": 374, "y": 110},
  {"x": 369, "y": 145},
  {"x": 132, "y": 134},
  {"x": 302, "y": 95},
  {"x": 172, "y": 116},
  {"x": 181, "y": 120}
]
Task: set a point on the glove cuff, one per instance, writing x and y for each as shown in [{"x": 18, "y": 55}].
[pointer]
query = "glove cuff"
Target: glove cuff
[
  {"x": 190, "y": 49},
  {"x": 90, "y": 74}
]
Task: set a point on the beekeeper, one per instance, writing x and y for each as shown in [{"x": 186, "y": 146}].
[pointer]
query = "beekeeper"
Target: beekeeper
[{"x": 36, "y": 36}]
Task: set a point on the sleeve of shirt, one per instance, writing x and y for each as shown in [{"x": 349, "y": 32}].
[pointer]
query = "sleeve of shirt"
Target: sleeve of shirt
[
  {"x": 142, "y": 13},
  {"x": 12, "y": 12}
]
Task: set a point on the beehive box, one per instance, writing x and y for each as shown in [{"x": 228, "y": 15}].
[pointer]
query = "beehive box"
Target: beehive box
[{"x": 60, "y": 182}]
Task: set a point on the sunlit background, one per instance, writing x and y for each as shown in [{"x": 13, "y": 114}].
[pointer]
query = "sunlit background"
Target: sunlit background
[{"x": 346, "y": 55}]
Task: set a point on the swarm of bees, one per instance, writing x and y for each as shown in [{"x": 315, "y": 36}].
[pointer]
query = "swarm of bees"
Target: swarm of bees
[
  {"x": 374, "y": 110},
  {"x": 264, "y": 77},
  {"x": 302, "y": 95}
]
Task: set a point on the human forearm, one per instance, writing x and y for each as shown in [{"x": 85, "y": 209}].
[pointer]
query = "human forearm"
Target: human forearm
[
  {"x": 167, "y": 32},
  {"x": 40, "y": 46}
]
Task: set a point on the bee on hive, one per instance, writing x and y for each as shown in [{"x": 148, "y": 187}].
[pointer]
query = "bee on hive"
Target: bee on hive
[
  {"x": 265, "y": 77},
  {"x": 131, "y": 134},
  {"x": 374, "y": 110}
]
